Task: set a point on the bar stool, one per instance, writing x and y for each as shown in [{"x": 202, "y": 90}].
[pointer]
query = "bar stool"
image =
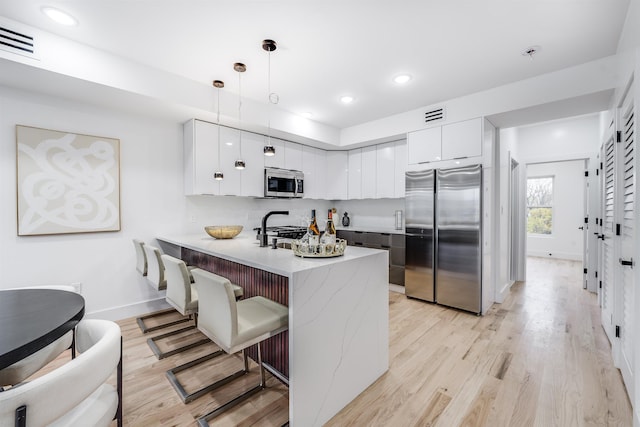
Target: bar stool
[
  {"x": 156, "y": 278},
  {"x": 234, "y": 326},
  {"x": 181, "y": 295},
  {"x": 141, "y": 257},
  {"x": 180, "y": 271}
]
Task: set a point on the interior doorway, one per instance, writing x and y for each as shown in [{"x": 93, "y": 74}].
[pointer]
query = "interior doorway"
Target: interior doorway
[{"x": 555, "y": 209}]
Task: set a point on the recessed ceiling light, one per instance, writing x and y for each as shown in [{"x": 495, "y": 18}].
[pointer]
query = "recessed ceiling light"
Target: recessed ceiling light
[
  {"x": 307, "y": 114},
  {"x": 402, "y": 79},
  {"x": 59, "y": 16},
  {"x": 347, "y": 99}
]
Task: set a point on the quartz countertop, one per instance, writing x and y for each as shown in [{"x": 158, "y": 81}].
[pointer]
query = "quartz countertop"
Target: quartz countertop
[{"x": 245, "y": 249}]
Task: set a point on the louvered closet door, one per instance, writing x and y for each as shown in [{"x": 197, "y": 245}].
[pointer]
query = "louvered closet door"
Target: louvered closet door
[
  {"x": 606, "y": 246},
  {"x": 627, "y": 181}
]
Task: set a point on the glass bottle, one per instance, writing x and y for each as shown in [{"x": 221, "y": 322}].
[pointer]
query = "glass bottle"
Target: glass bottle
[
  {"x": 314, "y": 232},
  {"x": 329, "y": 235}
]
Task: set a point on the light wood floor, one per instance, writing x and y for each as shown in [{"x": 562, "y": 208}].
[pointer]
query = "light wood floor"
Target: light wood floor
[{"x": 539, "y": 359}]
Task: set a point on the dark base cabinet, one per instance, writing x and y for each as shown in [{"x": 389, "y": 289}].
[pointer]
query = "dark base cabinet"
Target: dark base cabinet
[{"x": 394, "y": 243}]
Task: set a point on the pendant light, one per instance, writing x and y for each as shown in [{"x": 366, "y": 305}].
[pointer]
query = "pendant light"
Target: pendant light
[
  {"x": 269, "y": 46},
  {"x": 218, "y": 175},
  {"x": 240, "y": 68}
]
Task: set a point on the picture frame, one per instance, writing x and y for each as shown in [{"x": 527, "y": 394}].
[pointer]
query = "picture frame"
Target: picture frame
[{"x": 66, "y": 182}]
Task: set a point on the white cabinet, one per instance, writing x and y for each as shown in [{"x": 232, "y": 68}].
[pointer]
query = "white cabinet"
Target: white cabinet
[
  {"x": 354, "y": 187},
  {"x": 401, "y": 168},
  {"x": 200, "y": 158},
  {"x": 462, "y": 139},
  {"x": 369, "y": 172},
  {"x": 336, "y": 175},
  {"x": 252, "y": 177},
  {"x": 424, "y": 145},
  {"x": 276, "y": 161},
  {"x": 452, "y": 141},
  {"x": 386, "y": 170},
  {"x": 293, "y": 156},
  {"x": 229, "y": 153},
  {"x": 314, "y": 168},
  {"x": 201, "y": 148}
]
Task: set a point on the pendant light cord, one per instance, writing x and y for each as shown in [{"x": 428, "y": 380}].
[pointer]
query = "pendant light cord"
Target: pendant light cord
[
  {"x": 218, "y": 120},
  {"x": 240, "y": 109}
]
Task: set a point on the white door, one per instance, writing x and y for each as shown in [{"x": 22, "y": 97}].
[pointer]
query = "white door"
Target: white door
[
  {"x": 606, "y": 243},
  {"x": 626, "y": 231}
]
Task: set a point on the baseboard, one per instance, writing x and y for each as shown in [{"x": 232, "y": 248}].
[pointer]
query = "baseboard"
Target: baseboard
[
  {"x": 556, "y": 255},
  {"x": 503, "y": 292},
  {"x": 131, "y": 310}
]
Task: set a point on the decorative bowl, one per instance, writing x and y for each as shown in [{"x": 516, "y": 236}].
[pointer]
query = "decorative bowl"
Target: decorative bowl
[{"x": 223, "y": 231}]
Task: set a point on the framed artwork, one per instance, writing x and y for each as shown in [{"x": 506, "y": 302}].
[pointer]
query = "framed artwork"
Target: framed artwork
[{"x": 66, "y": 182}]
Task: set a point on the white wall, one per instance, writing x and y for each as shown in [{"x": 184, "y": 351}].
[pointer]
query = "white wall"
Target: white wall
[
  {"x": 566, "y": 139},
  {"x": 152, "y": 203},
  {"x": 565, "y": 241},
  {"x": 507, "y": 150},
  {"x": 370, "y": 214}
]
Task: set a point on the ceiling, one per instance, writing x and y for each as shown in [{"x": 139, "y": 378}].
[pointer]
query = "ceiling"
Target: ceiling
[{"x": 331, "y": 48}]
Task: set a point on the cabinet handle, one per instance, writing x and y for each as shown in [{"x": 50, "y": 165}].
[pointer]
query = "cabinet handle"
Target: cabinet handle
[{"x": 625, "y": 262}]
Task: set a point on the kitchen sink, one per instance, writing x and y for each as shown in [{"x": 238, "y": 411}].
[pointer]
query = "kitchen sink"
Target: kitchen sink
[{"x": 284, "y": 245}]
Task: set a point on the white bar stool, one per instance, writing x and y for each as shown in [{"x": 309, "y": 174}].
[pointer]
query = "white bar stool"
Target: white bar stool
[{"x": 234, "y": 326}]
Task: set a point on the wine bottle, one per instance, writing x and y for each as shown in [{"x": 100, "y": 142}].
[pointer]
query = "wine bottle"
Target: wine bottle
[
  {"x": 329, "y": 235},
  {"x": 313, "y": 231}
]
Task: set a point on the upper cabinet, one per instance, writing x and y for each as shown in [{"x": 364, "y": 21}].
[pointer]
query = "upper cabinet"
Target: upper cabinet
[
  {"x": 200, "y": 149},
  {"x": 354, "y": 187},
  {"x": 314, "y": 167},
  {"x": 451, "y": 141},
  {"x": 371, "y": 172},
  {"x": 400, "y": 169},
  {"x": 386, "y": 170},
  {"x": 292, "y": 156},
  {"x": 252, "y": 177},
  {"x": 276, "y": 161},
  {"x": 336, "y": 175},
  {"x": 425, "y": 145},
  {"x": 462, "y": 139}
]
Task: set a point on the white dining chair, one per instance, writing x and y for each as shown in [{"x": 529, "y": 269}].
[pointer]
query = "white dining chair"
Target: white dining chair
[{"x": 75, "y": 394}]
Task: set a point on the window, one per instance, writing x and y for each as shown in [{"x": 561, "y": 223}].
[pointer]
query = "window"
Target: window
[{"x": 540, "y": 205}]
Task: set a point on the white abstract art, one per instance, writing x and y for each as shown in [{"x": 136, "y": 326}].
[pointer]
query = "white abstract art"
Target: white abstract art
[{"x": 67, "y": 183}]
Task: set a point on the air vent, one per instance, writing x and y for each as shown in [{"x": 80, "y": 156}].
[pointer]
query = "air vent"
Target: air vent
[
  {"x": 433, "y": 115},
  {"x": 16, "y": 42}
]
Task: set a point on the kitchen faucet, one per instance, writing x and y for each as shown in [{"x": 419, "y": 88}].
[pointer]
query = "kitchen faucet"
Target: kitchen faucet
[{"x": 263, "y": 231}]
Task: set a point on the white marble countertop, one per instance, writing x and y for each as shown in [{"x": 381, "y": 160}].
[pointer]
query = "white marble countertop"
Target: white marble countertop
[{"x": 245, "y": 249}]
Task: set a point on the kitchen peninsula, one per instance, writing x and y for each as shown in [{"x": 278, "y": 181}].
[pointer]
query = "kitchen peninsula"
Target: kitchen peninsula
[{"x": 338, "y": 338}]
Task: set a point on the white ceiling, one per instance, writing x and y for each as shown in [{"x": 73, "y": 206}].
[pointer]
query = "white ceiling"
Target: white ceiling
[{"x": 330, "y": 48}]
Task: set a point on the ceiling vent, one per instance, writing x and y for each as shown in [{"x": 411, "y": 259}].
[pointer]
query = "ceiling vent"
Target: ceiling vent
[
  {"x": 434, "y": 115},
  {"x": 16, "y": 42}
]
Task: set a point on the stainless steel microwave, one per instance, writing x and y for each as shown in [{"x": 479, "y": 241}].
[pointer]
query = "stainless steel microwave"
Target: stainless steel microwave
[{"x": 283, "y": 183}]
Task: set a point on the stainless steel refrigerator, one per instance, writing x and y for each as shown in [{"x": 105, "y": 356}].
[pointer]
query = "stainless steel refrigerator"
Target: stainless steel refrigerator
[{"x": 443, "y": 236}]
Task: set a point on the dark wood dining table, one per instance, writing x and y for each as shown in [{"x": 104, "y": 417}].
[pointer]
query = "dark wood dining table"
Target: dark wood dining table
[{"x": 31, "y": 319}]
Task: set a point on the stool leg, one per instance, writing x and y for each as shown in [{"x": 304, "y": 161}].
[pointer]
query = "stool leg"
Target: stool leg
[{"x": 262, "y": 375}]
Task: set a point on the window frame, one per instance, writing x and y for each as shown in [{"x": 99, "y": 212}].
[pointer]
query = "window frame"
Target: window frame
[{"x": 550, "y": 206}]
